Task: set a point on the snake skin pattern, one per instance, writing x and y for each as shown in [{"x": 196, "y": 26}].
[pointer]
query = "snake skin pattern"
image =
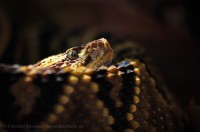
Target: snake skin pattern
[{"x": 129, "y": 95}]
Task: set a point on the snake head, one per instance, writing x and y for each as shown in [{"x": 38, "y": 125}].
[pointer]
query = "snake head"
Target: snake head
[{"x": 92, "y": 55}]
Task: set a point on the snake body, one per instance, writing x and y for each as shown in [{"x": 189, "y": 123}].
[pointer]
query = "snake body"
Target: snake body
[{"x": 82, "y": 90}]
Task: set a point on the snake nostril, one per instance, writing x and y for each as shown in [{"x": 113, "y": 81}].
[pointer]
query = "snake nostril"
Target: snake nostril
[{"x": 88, "y": 59}]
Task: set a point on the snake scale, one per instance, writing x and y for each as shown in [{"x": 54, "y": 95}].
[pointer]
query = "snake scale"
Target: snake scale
[{"x": 84, "y": 89}]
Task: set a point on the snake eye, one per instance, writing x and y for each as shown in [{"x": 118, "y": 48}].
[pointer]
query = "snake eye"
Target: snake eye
[{"x": 72, "y": 54}]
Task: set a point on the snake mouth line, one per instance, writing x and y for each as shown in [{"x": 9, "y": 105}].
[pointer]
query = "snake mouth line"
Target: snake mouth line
[{"x": 106, "y": 56}]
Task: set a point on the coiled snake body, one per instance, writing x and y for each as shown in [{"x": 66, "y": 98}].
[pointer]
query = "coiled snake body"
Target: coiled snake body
[{"x": 82, "y": 90}]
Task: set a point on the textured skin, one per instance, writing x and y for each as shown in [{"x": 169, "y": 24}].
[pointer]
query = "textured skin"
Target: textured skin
[
  {"x": 91, "y": 55},
  {"x": 127, "y": 96}
]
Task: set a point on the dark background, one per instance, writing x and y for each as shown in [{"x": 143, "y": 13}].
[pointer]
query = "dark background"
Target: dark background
[{"x": 168, "y": 29}]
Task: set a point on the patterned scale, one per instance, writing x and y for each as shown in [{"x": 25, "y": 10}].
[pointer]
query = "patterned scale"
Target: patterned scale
[{"x": 128, "y": 96}]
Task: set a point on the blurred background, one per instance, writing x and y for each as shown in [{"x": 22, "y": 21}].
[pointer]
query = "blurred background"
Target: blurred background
[{"x": 168, "y": 29}]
